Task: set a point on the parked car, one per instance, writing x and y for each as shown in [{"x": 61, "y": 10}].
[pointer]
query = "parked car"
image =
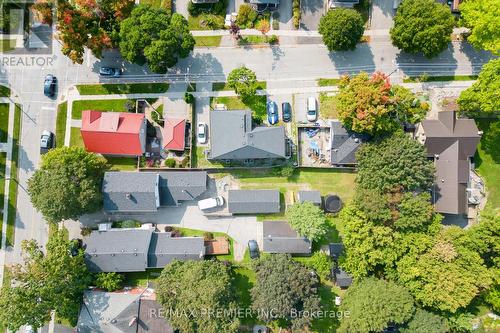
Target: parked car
[
  {"x": 46, "y": 141},
  {"x": 312, "y": 109},
  {"x": 272, "y": 112},
  {"x": 286, "y": 111},
  {"x": 253, "y": 249},
  {"x": 49, "y": 85},
  {"x": 201, "y": 137},
  {"x": 110, "y": 71},
  {"x": 211, "y": 203}
]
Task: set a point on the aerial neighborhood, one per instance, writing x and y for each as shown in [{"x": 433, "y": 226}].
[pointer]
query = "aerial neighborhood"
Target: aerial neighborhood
[{"x": 219, "y": 166}]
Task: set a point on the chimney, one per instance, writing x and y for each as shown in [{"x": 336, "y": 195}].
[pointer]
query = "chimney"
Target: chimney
[{"x": 448, "y": 118}]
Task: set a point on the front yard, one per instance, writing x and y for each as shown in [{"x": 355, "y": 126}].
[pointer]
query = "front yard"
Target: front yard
[
  {"x": 115, "y": 105},
  {"x": 256, "y": 103},
  {"x": 326, "y": 106},
  {"x": 122, "y": 88},
  {"x": 4, "y": 122}
]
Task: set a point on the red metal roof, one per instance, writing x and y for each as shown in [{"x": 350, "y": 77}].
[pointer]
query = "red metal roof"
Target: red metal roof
[
  {"x": 113, "y": 133},
  {"x": 174, "y": 134}
]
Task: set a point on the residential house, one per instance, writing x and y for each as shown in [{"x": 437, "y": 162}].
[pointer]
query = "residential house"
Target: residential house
[
  {"x": 142, "y": 192},
  {"x": 311, "y": 196},
  {"x": 253, "y": 201},
  {"x": 114, "y": 133},
  {"x": 174, "y": 134},
  {"x": 344, "y": 144},
  {"x": 132, "y": 311},
  {"x": 134, "y": 250},
  {"x": 233, "y": 137},
  {"x": 342, "y": 3},
  {"x": 279, "y": 237},
  {"x": 451, "y": 143}
]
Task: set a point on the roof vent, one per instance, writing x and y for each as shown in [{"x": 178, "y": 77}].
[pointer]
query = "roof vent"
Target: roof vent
[
  {"x": 436, "y": 156},
  {"x": 128, "y": 195},
  {"x": 442, "y": 180},
  {"x": 356, "y": 140},
  {"x": 123, "y": 250}
]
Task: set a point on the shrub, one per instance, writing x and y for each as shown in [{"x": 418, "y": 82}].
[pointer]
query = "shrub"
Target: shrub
[
  {"x": 85, "y": 231},
  {"x": 188, "y": 98},
  {"x": 273, "y": 39},
  {"x": 287, "y": 171},
  {"x": 212, "y": 21},
  {"x": 109, "y": 281},
  {"x": 176, "y": 233},
  {"x": 130, "y": 106},
  {"x": 218, "y": 8},
  {"x": 170, "y": 162},
  {"x": 185, "y": 162},
  {"x": 167, "y": 5},
  {"x": 129, "y": 224},
  {"x": 157, "y": 117},
  {"x": 276, "y": 24},
  {"x": 321, "y": 263},
  {"x": 246, "y": 16},
  {"x": 168, "y": 228},
  {"x": 208, "y": 236},
  {"x": 263, "y": 26},
  {"x": 276, "y": 15},
  {"x": 296, "y": 13}
]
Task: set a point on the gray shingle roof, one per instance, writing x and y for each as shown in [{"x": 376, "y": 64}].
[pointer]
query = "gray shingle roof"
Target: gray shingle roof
[
  {"x": 279, "y": 237},
  {"x": 342, "y": 278},
  {"x": 232, "y": 137},
  {"x": 453, "y": 141},
  {"x": 311, "y": 196},
  {"x": 117, "y": 250},
  {"x": 163, "y": 249},
  {"x": 151, "y": 318},
  {"x": 253, "y": 201},
  {"x": 344, "y": 143},
  {"x": 130, "y": 192},
  {"x": 146, "y": 191},
  {"x": 178, "y": 186},
  {"x": 336, "y": 249}
]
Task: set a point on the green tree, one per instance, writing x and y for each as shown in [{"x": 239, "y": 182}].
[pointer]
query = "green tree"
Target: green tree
[
  {"x": 445, "y": 275},
  {"x": 394, "y": 162},
  {"x": 484, "y": 94},
  {"x": 341, "y": 28},
  {"x": 422, "y": 26},
  {"x": 307, "y": 219},
  {"x": 109, "y": 281},
  {"x": 369, "y": 248},
  {"x": 243, "y": 81},
  {"x": 425, "y": 322},
  {"x": 321, "y": 263},
  {"x": 152, "y": 35},
  {"x": 283, "y": 288},
  {"x": 373, "y": 304},
  {"x": 196, "y": 289},
  {"x": 44, "y": 282},
  {"x": 370, "y": 104},
  {"x": 67, "y": 184},
  {"x": 483, "y": 18}
]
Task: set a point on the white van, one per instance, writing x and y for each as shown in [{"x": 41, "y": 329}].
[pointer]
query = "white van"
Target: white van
[
  {"x": 211, "y": 203},
  {"x": 312, "y": 110}
]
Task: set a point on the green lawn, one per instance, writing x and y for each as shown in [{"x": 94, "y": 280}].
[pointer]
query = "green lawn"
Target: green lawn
[
  {"x": 122, "y": 163},
  {"x": 327, "y": 82},
  {"x": 487, "y": 159},
  {"x": 116, "y": 105},
  {"x": 256, "y": 103},
  {"x": 195, "y": 22},
  {"x": 4, "y": 122},
  {"x": 3, "y": 157},
  {"x": 221, "y": 86},
  {"x": 61, "y": 123},
  {"x": 123, "y": 88},
  {"x": 199, "y": 160},
  {"x": 243, "y": 281},
  {"x": 13, "y": 185},
  {"x": 7, "y": 45},
  {"x": 253, "y": 40},
  {"x": 207, "y": 41},
  {"x": 4, "y": 91},
  {"x": 424, "y": 78},
  {"x": 141, "y": 279},
  {"x": 76, "y": 138},
  {"x": 326, "y": 106},
  {"x": 200, "y": 233}
]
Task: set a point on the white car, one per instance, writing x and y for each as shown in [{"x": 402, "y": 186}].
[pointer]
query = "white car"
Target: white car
[
  {"x": 211, "y": 203},
  {"x": 312, "y": 109},
  {"x": 201, "y": 137}
]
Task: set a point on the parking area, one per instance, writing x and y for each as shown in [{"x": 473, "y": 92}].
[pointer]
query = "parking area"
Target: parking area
[
  {"x": 300, "y": 106},
  {"x": 285, "y": 13},
  {"x": 382, "y": 14},
  {"x": 311, "y": 13}
]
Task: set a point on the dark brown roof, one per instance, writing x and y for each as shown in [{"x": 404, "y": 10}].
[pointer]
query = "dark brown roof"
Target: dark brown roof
[{"x": 451, "y": 141}]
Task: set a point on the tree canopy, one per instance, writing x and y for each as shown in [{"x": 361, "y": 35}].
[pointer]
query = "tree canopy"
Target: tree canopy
[
  {"x": 88, "y": 24},
  {"x": 484, "y": 94},
  {"x": 445, "y": 275},
  {"x": 422, "y": 26},
  {"x": 307, "y": 219},
  {"x": 370, "y": 104},
  {"x": 67, "y": 184},
  {"x": 394, "y": 162},
  {"x": 190, "y": 290},
  {"x": 425, "y": 322},
  {"x": 44, "y": 282},
  {"x": 151, "y": 35},
  {"x": 341, "y": 28},
  {"x": 243, "y": 80},
  {"x": 109, "y": 281},
  {"x": 483, "y": 18},
  {"x": 285, "y": 290},
  {"x": 373, "y": 304}
]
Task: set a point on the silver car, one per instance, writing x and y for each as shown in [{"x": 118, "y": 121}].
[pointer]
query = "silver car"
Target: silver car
[{"x": 201, "y": 137}]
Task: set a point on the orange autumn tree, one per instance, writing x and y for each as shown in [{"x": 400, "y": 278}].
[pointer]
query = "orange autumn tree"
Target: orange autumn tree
[{"x": 370, "y": 104}]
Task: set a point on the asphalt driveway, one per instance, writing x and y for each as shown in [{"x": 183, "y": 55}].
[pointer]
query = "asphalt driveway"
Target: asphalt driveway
[
  {"x": 382, "y": 14},
  {"x": 311, "y": 13}
]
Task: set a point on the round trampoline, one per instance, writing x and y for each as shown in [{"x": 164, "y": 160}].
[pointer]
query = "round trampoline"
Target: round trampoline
[{"x": 333, "y": 204}]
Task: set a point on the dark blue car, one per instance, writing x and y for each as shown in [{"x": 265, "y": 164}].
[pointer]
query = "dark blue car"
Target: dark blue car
[{"x": 272, "y": 113}]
